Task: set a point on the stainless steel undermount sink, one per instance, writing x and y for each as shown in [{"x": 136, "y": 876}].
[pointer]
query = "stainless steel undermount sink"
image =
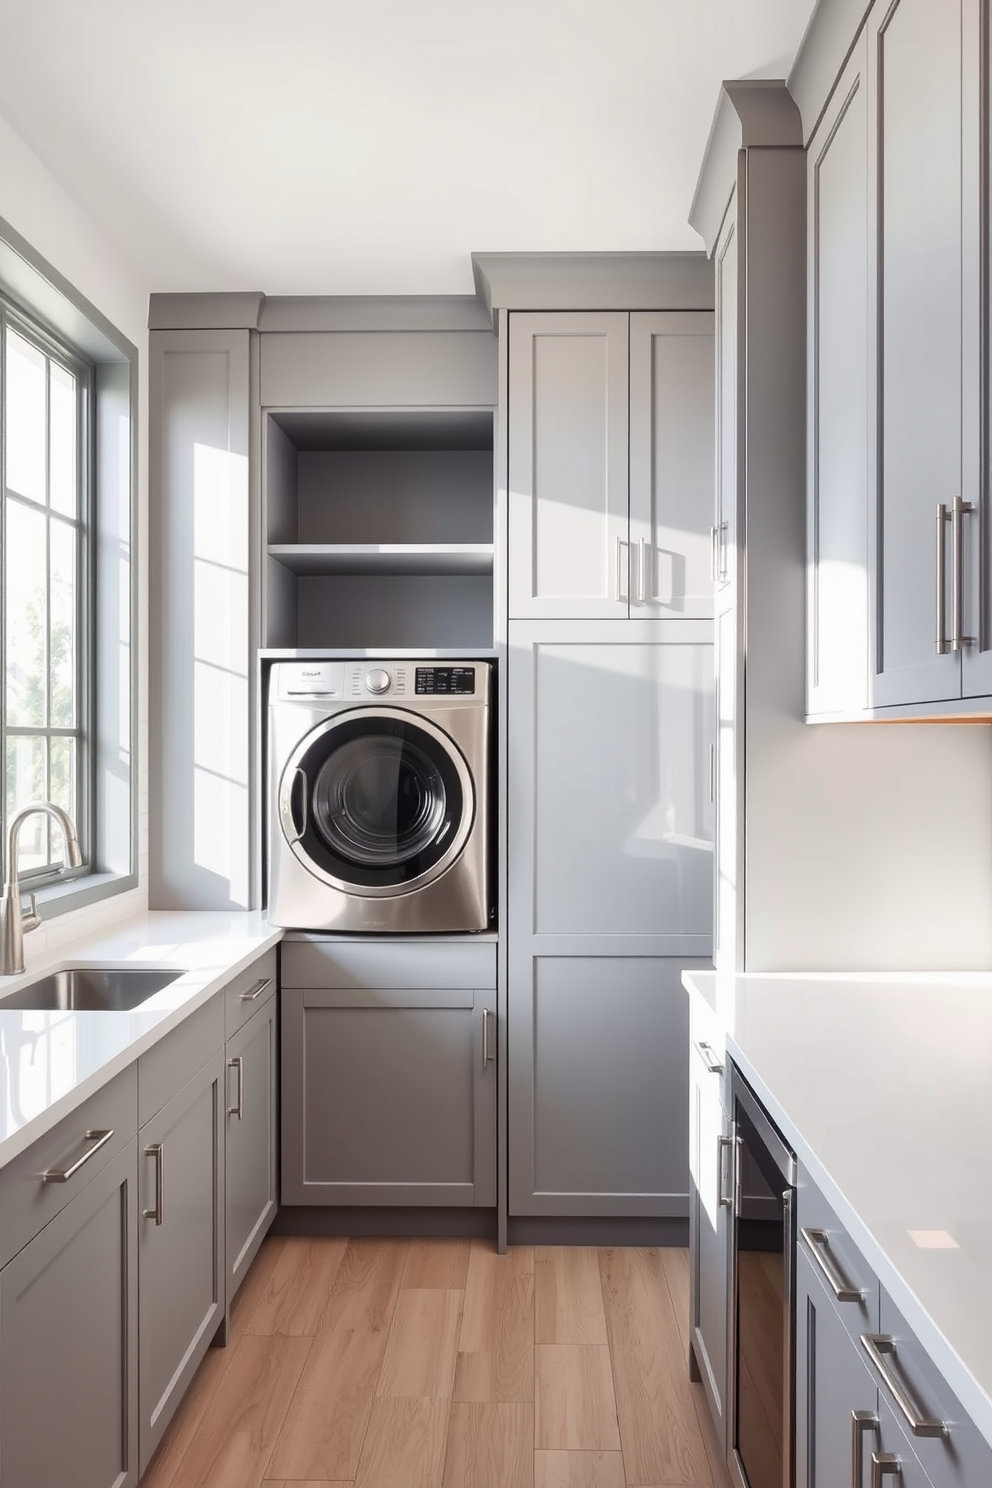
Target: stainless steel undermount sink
[{"x": 91, "y": 989}]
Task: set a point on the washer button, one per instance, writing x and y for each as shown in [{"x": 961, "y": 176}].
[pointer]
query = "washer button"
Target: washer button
[{"x": 377, "y": 680}]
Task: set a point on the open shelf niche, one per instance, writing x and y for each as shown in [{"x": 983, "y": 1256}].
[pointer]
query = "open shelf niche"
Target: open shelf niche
[{"x": 379, "y": 528}]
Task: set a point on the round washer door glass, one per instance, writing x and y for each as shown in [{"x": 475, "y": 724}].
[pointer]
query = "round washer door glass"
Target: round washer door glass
[{"x": 376, "y": 800}]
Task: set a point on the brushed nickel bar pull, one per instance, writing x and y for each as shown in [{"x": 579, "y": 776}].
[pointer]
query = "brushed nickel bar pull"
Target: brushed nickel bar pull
[
  {"x": 876, "y": 1345},
  {"x": 861, "y": 1421},
  {"x": 257, "y": 990},
  {"x": 238, "y": 1063},
  {"x": 621, "y": 588},
  {"x": 941, "y": 636},
  {"x": 62, "y": 1175},
  {"x": 724, "y": 1201},
  {"x": 882, "y": 1463},
  {"x": 157, "y": 1151},
  {"x": 712, "y": 1063},
  {"x": 712, "y": 774},
  {"x": 642, "y": 570},
  {"x": 714, "y": 563},
  {"x": 959, "y": 509},
  {"x": 486, "y": 1055},
  {"x": 818, "y": 1245}
]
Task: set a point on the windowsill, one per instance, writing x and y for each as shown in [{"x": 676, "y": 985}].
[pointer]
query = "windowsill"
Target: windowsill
[{"x": 56, "y": 899}]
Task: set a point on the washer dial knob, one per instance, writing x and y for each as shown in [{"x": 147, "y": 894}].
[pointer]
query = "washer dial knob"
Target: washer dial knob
[{"x": 378, "y": 680}]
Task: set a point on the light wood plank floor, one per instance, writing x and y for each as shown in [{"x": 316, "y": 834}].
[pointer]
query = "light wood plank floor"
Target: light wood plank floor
[{"x": 440, "y": 1364}]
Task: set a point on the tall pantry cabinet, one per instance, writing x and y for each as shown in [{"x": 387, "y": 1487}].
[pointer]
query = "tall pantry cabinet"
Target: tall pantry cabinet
[{"x": 608, "y": 418}]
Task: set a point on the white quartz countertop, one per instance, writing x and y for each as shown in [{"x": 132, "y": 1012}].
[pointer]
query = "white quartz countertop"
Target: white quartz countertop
[
  {"x": 50, "y": 1062},
  {"x": 883, "y": 1087}
]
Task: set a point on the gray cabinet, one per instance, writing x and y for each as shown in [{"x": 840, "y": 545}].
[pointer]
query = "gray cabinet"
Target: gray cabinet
[
  {"x": 609, "y": 841},
  {"x": 710, "y": 1200},
  {"x": 250, "y": 1155},
  {"x": 69, "y": 1329},
  {"x": 181, "y": 1244},
  {"x": 389, "y": 1073},
  {"x": 836, "y": 1397},
  {"x": 610, "y": 464}
]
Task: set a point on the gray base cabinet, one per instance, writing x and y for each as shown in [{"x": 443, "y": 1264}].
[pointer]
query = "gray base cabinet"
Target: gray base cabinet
[
  {"x": 389, "y": 1074},
  {"x": 181, "y": 1246},
  {"x": 69, "y": 1325},
  {"x": 250, "y": 1173},
  {"x": 710, "y": 1200}
]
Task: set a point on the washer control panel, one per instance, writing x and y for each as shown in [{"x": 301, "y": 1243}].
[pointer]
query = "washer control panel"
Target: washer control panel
[{"x": 355, "y": 681}]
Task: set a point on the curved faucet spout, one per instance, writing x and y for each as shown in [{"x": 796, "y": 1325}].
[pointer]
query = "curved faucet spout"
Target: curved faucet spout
[{"x": 13, "y": 921}]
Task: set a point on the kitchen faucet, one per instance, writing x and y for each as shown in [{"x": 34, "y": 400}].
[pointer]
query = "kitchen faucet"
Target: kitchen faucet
[{"x": 14, "y": 921}]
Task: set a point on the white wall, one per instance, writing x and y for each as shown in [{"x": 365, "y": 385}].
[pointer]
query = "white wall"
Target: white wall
[{"x": 38, "y": 207}]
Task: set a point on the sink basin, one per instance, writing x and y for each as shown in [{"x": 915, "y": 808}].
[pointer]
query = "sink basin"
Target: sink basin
[{"x": 91, "y": 988}]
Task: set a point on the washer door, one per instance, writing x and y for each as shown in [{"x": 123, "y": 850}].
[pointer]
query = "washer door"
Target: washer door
[{"x": 376, "y": 801}]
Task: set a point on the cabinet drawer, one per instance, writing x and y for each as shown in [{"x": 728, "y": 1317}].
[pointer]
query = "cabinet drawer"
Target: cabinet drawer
[
  {"x": 961, "y": 1456},
  {"x": 166, "y": 1068},
  {"x": 27, "y": 1202},
  {"x": 398, "y": 963},
  {"x": 250, "y": 990},
  {"x": 836, "y": 1259},
  {"x": 708, "y": 1048}
]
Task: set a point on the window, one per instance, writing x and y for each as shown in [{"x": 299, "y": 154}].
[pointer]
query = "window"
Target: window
[{"x": 46, "y": 709}]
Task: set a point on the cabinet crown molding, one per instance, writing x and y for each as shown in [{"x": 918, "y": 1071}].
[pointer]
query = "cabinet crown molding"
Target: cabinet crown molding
[
  {"x": 751, "y": 113},
  {"x": 833, "y": 30},
  {"x": 255, "y": 311},
  {"x": 593, "y": 281}
]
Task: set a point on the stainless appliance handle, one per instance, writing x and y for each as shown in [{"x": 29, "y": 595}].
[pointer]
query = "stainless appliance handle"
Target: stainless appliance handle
[
  {"x": 62, "y": 1175},
  {"x": 959, "y": 509},
  {"x": 876, "y": 1345},
  {"x": 818, "y": 1245},
  {"x": 705, "y": 1052},
  {"x": 724, "y": 1201},
  {"x": 157, "y": 1151},
  {"x": 486, "y": 1055},
  {"x": 300, "y": 831},
  {"x": 257, "y": 990},
  {"x": 238, "y": 1064},
  {"x": 861, "y": 1421},
  {"x": 941, "y": 635},
  {"x": 882, "y": 1463}
]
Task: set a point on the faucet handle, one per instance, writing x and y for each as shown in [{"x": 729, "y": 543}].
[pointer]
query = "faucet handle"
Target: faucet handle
[{"x": 30, "y": 918}]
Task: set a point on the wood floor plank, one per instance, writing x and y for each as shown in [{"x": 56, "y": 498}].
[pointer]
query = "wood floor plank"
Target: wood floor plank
[
  {"x": 675, "y": 1264},
  {"x": 568, "y": 1295},
  {"x": 367, "y": 1281},
  {"x": 437, "y": 1263},
  {"x": 298, "y": 1287},
  {"x": 404, "y": 1444},
  {"x": 578, "y": 1470},
  {"x": 234, "y": 1441},
  {"x": 324, "y": 1429},
  {"x": 496, "y": 1344},
  {"x": 423, "y": 1343},
  {"x": 575, "y": 1405},
  {"x": 490, "y": 1446},
  {"x": 254, "y": 1286},
  {"x": 163, "y": 1471},
  {"x": 659, "y": 1428}
]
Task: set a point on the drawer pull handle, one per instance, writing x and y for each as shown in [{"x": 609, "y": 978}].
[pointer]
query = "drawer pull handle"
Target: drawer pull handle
[
  {"x": 818, "y": 1243},
  {"x": 861, "y": 1421},
  {"x": 157, "y": 1151},
  {"x": 876, "y": 1346},
  {"x": 62, "y": 1175},
  {"x": 710, "y": 1060},
  {"x": 238, "y": 1063},
  {"x": 257, "y": 990},
  {"x": 883, "y": 1463},
  {"x": 486, "y": 1054}
]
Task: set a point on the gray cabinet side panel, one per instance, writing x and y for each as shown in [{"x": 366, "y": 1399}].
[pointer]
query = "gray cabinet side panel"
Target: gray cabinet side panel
[
  {"x": 388, "y": 369},
  {"x": 200, "y": 640},
  {"x": 68, "y": 1319}
]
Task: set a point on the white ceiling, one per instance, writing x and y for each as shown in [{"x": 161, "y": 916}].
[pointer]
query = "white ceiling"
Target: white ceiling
[{"x": 368, "y": 147}]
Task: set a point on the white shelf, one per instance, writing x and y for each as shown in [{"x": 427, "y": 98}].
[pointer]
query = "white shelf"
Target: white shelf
[{"x": 425, "y": 559}]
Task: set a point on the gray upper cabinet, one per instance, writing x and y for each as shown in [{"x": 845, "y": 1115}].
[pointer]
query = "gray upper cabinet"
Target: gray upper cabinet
[
  {"x": 727, "y": 267},
  {"x": 610, "y": 464},
  {"x": 69, "y": 1324}
]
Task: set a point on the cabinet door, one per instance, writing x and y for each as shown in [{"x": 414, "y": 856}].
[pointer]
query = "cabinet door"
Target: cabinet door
[
  {"x": 610, "y": 818},
  {"x": 671, "y": 463},
  {"x": 69, "y": 1323},
  {"x": 388, "y": 1096},
  {"x": 727, "y": 789},
  {"x": 250, "y": 1146},
  {"x": 180, "y": 1246},
  {"x": 599, "y": 1097},
  {"x": 569, "y": 548},
  {"x": 832, "y": 1384},
  {"x": 914, "y": 55},
  {"x": 837, "y": 588},
  {"x": 727, "y": 268},
  {"x": 710, "y": 1194}
]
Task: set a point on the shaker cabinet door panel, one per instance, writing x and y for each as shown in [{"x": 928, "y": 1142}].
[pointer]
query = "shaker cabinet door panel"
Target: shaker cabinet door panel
[
  {"x": 709, "y": 1234},
  {"x": 727, "y": 268},
  {"x": 568, "y": 494},
  {"x": 250, "y": 1149},
  {"x": 671, "y": 463},
  {"x": 832, "y": 1383}
]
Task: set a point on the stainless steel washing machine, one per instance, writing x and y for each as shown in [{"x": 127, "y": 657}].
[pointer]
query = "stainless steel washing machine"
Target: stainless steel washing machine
[{"x": 377, "y": 795}]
